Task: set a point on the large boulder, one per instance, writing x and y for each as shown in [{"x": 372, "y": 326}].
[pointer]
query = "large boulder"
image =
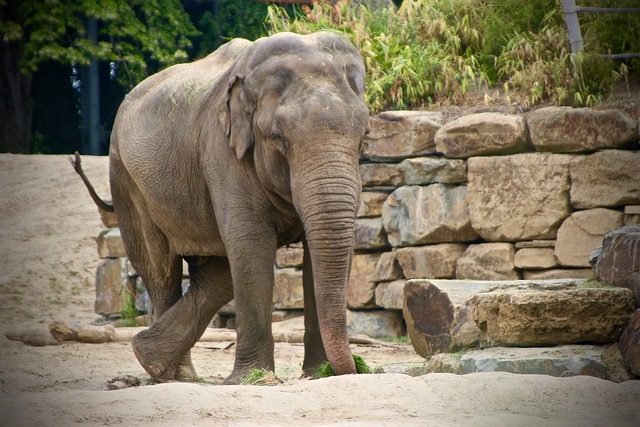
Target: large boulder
[
  {"x": 630, "y": 344},
  {"x": 605, "y": 179},
  {"x": 361, "y": 288},
  {"x": 431, "y": 170},
  {"x": 381, "y": 175},
  {"x": 535, "y": 258},
  {"x": 426, "y": 308},
  {"x": 396, "y": 135},
  {"x": 487, "y": 261},
  {"x": 582, "y": 232},
  {"x": 433, "y": 261},
  {"x": 370, "y": 234},
  {"x": 429, "y": 314},
  {"x": 437, "y": 213},
  {"x": 110, "y": 244},
  {"x": 569, "y": 130},
  {"x": 387, "y": 268},
  {"x": 483, "y": 134},
  {"x": 518, "y": 197},
  {"x": 288, "y": 290},
  {"x": 371, "y": 204},
  {"x": 390, "y": 295},
  {"x": 375, "y": 323},
  {"x": 426, "y": 304},
  {"x": 290, "y": 256},
  {"x": 619, "y": 262},
  {"x": 111, "y": 281},
  {"x": 535, "y": 316}
]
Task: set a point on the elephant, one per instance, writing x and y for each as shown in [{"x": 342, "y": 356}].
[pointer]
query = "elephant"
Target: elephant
[{"x": 221, "y": 161}]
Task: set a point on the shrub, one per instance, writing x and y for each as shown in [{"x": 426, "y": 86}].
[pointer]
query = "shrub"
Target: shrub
[{"x": 429, "y": 51}]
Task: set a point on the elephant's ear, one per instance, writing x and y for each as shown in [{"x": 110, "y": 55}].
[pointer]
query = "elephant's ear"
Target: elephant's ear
[{"x": 239, "y": 117}]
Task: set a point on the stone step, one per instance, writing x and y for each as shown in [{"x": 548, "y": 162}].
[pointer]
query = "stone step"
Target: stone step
[
  {"x": 445, "y": 316},
  {"x": 560, "y": 361}
]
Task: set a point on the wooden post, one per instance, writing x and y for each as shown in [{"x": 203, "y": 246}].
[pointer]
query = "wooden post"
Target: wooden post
[{"x": 573, "y": 25}]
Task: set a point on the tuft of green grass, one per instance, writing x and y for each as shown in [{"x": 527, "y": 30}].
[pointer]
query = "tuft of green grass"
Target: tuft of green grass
[
  {"x": 129, "y": 312},
  {"x": 260, "y": 377},
  {"x": 325, "y": 370}
]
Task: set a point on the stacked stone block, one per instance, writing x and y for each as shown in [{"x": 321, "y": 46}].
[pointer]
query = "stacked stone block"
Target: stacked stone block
[
  {"x": 498, "y": 196},
  {"x": 485, "y": 196},
  {"x": 113, "y": 280}
]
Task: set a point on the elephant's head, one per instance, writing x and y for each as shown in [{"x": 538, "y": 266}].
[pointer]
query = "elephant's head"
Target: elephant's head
[{"x": 296, "y": 107}]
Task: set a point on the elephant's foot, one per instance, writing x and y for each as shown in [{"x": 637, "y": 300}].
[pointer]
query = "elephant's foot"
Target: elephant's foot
[
  {"x": 313, "y": 360},
  {"x": 242, "y": 372},
  {"x": 311, "y": 370},
  {"x": 160, "y": 365},
  {"x": 185, "y": 371}
]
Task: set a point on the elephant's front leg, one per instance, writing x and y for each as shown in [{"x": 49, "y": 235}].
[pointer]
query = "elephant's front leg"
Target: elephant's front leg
[{"x": 251, "y": 259}]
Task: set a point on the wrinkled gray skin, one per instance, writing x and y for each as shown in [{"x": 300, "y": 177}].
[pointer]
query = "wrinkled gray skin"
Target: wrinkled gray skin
[{"x": 222, "y": 161}]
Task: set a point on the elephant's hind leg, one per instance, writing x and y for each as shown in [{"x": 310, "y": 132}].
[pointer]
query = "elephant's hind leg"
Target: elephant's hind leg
[
  {"x": 180, "y": 327},
  {"x": 149, "y": 251}
]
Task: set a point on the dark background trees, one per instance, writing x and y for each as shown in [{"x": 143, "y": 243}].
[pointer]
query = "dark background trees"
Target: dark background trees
[{"x": 67, "y": 65}]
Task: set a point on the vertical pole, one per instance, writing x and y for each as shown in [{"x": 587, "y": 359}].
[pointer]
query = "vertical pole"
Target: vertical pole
[
  {"x": 90, "y": 99},
  {"x": 94, "y": 93},
  {"x": 573, "y": 25}
]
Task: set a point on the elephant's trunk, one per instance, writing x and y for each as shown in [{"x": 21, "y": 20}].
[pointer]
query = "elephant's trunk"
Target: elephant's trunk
[{"x": 326, "y": 193}]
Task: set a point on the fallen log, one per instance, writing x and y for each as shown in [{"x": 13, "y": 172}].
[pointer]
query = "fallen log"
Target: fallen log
[{"x": 62, "y": 331}]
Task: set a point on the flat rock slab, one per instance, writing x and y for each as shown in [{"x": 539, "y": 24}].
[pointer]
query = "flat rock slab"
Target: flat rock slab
[
  {"x": 487, "y": 261},
  {"x": 522, "y": 317},
  {"x": 562, "y": 361},
  {"x": 568, "y": 130},
  {"x": 440, "y": 313},
  {"x": 483, "y": 134},
  {"x": 397, "y": 135}
]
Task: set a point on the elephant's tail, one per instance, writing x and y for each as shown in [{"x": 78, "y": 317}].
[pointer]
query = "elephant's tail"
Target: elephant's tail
[{"x": 102, "y": 205}]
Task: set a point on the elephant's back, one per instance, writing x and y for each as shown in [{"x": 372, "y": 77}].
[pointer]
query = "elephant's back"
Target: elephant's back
[
  {"x": 182, "y": 84},
  {"x": 159, "y": 115}
]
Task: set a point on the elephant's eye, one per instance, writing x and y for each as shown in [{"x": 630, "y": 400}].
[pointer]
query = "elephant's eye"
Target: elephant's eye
[{"x": 276, "y": 132}]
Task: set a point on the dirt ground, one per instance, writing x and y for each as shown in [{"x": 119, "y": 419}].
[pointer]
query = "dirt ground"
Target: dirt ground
[{"x": 48, "y": 258}]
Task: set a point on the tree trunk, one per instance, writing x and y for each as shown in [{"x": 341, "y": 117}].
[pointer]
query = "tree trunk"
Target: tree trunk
[{"x": 15, "y": 103}]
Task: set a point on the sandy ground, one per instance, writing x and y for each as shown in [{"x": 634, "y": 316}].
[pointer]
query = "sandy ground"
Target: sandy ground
[{"x": 48, "y": 258}]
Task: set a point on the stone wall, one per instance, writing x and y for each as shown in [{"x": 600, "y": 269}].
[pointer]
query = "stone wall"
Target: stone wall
[{"x": 484, "y": 196}]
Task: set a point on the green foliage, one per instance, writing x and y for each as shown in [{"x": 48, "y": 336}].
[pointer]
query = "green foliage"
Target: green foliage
[
  {"x": 234, "y": 18},
  {"x": 141, "y": 36},
  {"x": 611, "y": 32},
  {"x": 260, "y": 377},
  {"x": 325, "y": 370},
  {"x": 435, "y": 51},
  {"x": 414, "y": 55},
  {"x": 129, "y": 311}
]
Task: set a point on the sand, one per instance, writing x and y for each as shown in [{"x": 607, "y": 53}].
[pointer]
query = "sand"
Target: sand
[{"x": 48, "y": 258}]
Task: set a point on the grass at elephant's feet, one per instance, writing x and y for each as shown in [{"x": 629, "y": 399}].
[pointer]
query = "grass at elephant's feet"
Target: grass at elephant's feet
[
  {"x": 325, "y": 370},
  {"x": 260, "y": 377}
]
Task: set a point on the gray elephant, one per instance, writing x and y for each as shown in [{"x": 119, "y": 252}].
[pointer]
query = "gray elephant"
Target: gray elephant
[{"x": 222, "y": 161}]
